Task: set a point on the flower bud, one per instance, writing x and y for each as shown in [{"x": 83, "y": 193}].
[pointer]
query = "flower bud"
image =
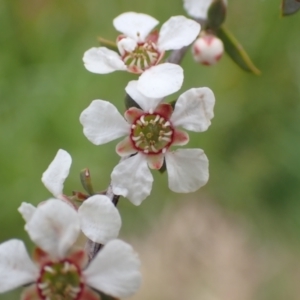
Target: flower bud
[{"x": 207, "y": 49}]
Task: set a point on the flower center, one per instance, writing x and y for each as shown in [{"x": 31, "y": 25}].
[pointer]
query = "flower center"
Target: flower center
[
  {"x": 60, "y": 281},
  {"x": 144, "y": 56},
  {"x": 152, "y": 134}
]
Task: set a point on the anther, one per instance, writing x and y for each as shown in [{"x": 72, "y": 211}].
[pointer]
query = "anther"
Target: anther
[
  {"x": 164, "y": 150},
  {"x": 138, "y": 63},
  {"x": 167, "y": 133},
  {"x": 43, "y": 285},
  {"x": 138, "y": 143},
  {"x": 49, "y": 269},
  {"x": 156, "y": 118},
  {"x": 166, "y": 124},
  {"x": 161, "y": 120},
  {"x": 75, "y": 289},
  {"x": 164, "y": 138},
  {"x": 133, "y": 62},
  {"x": 136, "y": 138},
  {"x": 133, "y": 126},
  {"x": 143, "y": 120},
  {"x": 66, "y": 267},
  {"x": 153, "y": 149}
]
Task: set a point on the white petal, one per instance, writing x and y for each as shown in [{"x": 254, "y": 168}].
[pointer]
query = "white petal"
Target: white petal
[
  {"x": 161, "y": 80},
  {"x": 54, "y": 227},
  {"x": 144, "y": 102},
  {"x": 194, "y": 109},
  {"x": 103, "y": 123},
  {"x": 132, "y": 179},
  {"x": 197, "y": 8},
  {"x": 57, "y": 172},
  {"x": 100, "y": 220},
  {"x": 102, "y": 61},
  {"x": 115, "y": 270},
  {"x": 187, "y": 170},
  {"x": 177, "y": 32},
  {"x": 126, "y": 45},
  {"x": 16, "y": 268},
  {"x": 26, "y": 210},
  {"x": 135, "y": 25}
]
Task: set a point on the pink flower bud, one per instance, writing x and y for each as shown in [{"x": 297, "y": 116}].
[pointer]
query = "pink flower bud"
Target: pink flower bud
[{"x": 207, "y": 49}]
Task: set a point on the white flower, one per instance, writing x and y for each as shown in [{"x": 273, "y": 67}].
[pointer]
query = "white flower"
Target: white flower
[
  {"x": 60, "y": 272},
  {"x": 198, "y": 8},
  {"x": 99, "y": 219},
  {"x": 141, "y": 50},
  {"x": 150, "y": 132},
  {"x": 207, "y": 49}
]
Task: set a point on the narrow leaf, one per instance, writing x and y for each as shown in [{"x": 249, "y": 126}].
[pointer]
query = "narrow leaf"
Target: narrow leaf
[
  {"x": 236, "y": 51},
  {"x": 107, "y": 43},
  {"x": 216, "y": 14},
  {"x": 289, "y": 7},
  {"x": 85, "y": 178},
  {"x": 129, "y": 102}
]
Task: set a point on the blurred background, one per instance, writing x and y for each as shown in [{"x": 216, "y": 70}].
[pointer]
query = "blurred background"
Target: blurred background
[{"x": 236, "y": 238}]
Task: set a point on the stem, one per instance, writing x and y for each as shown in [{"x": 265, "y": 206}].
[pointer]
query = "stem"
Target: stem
[
  {"x": 91, "y": 247},
  {"x": 177, "y": 55}
]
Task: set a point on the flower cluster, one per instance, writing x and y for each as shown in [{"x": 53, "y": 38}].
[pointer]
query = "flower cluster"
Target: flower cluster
[{"x": 60, "y": 268}]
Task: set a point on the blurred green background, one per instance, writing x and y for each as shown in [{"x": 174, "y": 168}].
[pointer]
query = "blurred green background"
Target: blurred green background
[{"x": 253, "y": 143}]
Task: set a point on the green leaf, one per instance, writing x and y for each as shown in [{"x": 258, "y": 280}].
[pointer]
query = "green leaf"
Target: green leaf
[
  {"x": 236, "y": 51},
  {"x": 107, "y": 43},
  {"x": 216, "y": 14},
  {"x": 163, "y": 168},
  {"x": 85, "y": 178},
  {"x": 289, "y": 7},
  {"x": 129, "y": 102}
]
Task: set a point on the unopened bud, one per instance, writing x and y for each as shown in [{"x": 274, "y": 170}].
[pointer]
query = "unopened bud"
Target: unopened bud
[{"x": 207, "y": 49}]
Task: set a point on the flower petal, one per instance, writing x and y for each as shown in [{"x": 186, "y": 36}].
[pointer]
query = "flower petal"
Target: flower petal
[
  {"x": 16, "y": 268},
  {"x": 89, "y": 294},
  {"x": 115, "y": 270},
  {"x": 125, "y": 147},
  {"x": 54, "y": 227},
  {"x": 126, "y": 45},
  {"x": 165, "y": 110},
  {"x": 57, "y": 172},
  {"x": 99, "y": 219},
  {"x": 135, "y": 25},
  {"x": 102, "y": 61},
  {"x": 79, "y": 257},
  {"x": 180, "y": 138},
  {"x": 26, "y": 210},
  {"x": 187, "y": 170},
  {"x": 161, "y": 80},
  {"x": 132, "y": 179},
  {"x": 30, "y": 293},
  {"x": 132, "y": 114},
  {"x": 103, "y": 123},
  {"x": 197, "y": 8},
  {"x": 155, "y": 161},
  {"x": 194, "y": 109},
  {"x": 177, "y": 32},
  {"x": 146, "y": 103}
]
